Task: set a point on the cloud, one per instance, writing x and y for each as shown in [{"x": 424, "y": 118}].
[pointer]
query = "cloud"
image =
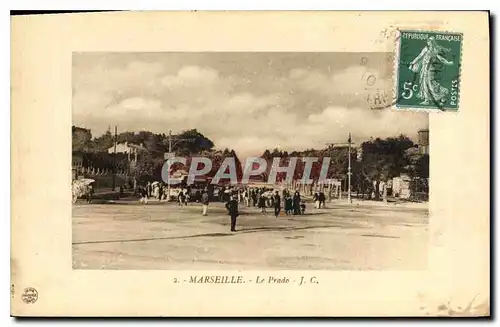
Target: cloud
[
  {"x": 96, "y": 86},
  {"x": 337, "y": 122},
  {"x": 135, "y": 107},
  {"x": 349, "y": 86},
  {"x": 301, "y": 108},
  {"x": 191, "y": 76}
]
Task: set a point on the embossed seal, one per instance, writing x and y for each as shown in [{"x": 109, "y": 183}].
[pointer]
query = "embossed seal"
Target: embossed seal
[{"x": 30, "y": 295}]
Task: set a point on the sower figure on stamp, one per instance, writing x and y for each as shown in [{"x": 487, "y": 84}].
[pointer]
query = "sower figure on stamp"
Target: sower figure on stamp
[
  {"x": 425, "y": 64},
  {"x": 232, "y": 208}
]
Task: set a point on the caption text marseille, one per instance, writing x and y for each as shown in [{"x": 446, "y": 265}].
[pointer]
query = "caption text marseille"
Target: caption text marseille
[{"x": 258, "y": 280}]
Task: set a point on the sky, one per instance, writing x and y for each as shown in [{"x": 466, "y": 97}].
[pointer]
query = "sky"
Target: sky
[{"x": 247, "y": 101}]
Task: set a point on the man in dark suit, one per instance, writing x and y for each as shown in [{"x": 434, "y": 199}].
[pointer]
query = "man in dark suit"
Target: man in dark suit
[
  {"x": 277, "y": 204},
  {"x": 232, "y": 208},
  {"x": 322, "y": 199}
]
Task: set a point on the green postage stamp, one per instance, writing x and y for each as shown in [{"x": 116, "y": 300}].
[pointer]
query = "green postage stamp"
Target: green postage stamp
[{"x": 428, "y": 75}]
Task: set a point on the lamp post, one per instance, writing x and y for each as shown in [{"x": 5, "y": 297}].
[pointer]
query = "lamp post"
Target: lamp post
[
  {"x": 114, "y": 160},
  {"x": 170, "y": 145},
  {"x": 349, "y": 171},
  {"x": 349, "y": 167}
]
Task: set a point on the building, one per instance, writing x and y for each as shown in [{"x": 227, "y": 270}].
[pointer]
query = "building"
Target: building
[
  {"x": 132, "y": 150},
  {"x": 423, "y": 141},
  {"x": 126, "y": 147},
  {"x": 405, "y": 186},
  {"x": 401, "y": 186}
]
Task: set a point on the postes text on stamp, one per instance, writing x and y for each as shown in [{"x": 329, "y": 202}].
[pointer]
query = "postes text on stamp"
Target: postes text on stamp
[{"x": 428, "y": 75}]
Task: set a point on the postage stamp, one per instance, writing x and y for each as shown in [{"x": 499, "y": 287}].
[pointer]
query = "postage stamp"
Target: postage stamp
[{"x": 428, "y": 70}]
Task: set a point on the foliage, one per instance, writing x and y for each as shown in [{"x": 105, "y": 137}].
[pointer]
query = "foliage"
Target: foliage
[
  {"x": 103, "y": 160},
  {"x": 421, "y": 167},
  {"x": 384, "y": 159},
  {"x": 157, "y": 144},
  {"x": 81, "y": 138},
  {"x": 381, "y": 160},
  {"x": 103, "y": 142},
  {"x": 197, "y": 142},
  {"x": 148, "y": 168},
  {"x": 337, "y": 168}
]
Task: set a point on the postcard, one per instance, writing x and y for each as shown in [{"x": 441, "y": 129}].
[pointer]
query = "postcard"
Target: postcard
[{"x": 250, "y": 164}]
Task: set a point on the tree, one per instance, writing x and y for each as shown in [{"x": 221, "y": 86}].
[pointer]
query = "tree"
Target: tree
[
  {"x": 217, "y": 158},
  {"x": 81, "y": 138},
  {"x": 197, "y": 142},
  {"x": 384, "y": 159},
  {"x": 104, "y": 142},
  {"x": 418, "y": 171},
  {"x": 422, "y": 166},
  {"x": 148, "y": 168},
  {"x": 126, "y": 137}
]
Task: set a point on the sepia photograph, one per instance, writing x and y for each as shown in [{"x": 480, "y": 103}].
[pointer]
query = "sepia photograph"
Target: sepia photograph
[{"x": 245, "y": 160}]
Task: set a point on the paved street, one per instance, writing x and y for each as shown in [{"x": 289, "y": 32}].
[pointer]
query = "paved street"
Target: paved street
[{"x": 361, "y": 236}]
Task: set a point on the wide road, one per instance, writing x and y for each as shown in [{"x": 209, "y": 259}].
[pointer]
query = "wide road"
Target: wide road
[{"x": 360, "y": 236}]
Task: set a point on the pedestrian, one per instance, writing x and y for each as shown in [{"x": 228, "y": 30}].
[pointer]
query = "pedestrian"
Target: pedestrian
[
  {"x": 262, "y": 202},
  {"x": 322, "y": 199},
  {"x": 187, "y": 198},
  {"x": 246, "y": 197},
  {"x": 160, "y": 191},
  {"x": 90, "y": 193},
  {"x": 296, "y": 203},
  {"x": 254, "y": 198},
  {"x": 232, "y": 208},
  {"x": 288, "y": 205},
  {"x": 222, "y": 191},
  {"x": 165, "y": 193},
  {"x": 144, "y": 195},
  {"x": 316, "y": 200},
  {"x": 148, "y": 189},
  {"x": 240, "y": 196},
  {"x": 277, "y": 204},
  {"x": 302, "y": 207},
  {"x": 181, "y": 198},
  {"x": 204, "y": 202}
]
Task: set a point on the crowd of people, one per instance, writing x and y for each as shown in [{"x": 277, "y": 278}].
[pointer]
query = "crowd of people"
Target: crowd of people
[
  {"x": 233, "y": 197},
  {"x": 263, "y": 198}
]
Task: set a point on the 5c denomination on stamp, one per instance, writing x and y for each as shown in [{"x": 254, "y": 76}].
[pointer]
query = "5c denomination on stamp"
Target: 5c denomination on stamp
[{"x": 428, "y": 65}]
